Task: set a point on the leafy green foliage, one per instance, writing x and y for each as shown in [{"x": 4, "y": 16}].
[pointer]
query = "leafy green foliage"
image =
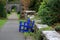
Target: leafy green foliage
[
  {"x": 49, "y": 11},
  {"x": 4, "y": 1},
  {"x": 57, "y": 27},
  {"x": 38, "y": 35},
  {"x": 35, "y": 4},
  {"x": 2, "y": 10},
  {"x": 26, "y": 34}
]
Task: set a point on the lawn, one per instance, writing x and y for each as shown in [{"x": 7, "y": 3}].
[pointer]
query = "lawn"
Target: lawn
[{"x": 2, "y": 22}]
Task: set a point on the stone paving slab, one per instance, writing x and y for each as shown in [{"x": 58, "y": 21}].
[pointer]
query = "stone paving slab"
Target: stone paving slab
[
  {"x": 38, "y": 21},
  {"x": 41, "y": 26},
  {"x": 13, "y": 16},
  {"x": 51, "y": 35}
]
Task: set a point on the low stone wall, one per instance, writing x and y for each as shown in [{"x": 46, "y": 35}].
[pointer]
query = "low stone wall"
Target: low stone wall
[{"x": 50, "y": 35}]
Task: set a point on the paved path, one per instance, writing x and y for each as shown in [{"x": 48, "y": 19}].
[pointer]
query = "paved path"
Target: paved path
[
  {"x": 13, "y": 16},
  {"x": 10, "y": 31}
]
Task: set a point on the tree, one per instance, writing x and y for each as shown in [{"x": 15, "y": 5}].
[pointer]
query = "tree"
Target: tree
[{"x": 2, "y": 9}]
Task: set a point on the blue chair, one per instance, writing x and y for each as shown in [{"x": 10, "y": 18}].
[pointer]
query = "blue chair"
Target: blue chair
[
  {"x": 28, "y": 20},
  {"x": 21, "y": 27},
  {"x": 26, "y": 26},
  {"x": 30, "y": 25}
]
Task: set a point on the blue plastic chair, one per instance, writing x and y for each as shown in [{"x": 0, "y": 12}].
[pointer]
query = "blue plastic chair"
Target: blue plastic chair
[
  {"x": 26, "y": 27},
  {"x": 28, "y": 21},
  {"x": 21, "y": 26}
]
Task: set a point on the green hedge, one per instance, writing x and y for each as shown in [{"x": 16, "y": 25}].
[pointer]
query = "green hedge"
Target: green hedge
[{"x": 49, "y": 11}]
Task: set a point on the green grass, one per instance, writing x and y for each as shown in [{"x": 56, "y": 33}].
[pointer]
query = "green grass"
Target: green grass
[
  {"x": 46, "y": 29},
  {"x": 2, "y": 22},
  {"x": 18, "y": 16},
  {"x": 22, "y": 20},
  {"x": 8, "y": 15}
]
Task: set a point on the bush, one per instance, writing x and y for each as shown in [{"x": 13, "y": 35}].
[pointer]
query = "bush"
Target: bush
[
  {"x": 57, "y": 28},
  {"x": 34, "y": 5},
  {"x": 49, "y": 11},
  {"x": 38, "y": 35},
  {"x": 2, "y": 10}
]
